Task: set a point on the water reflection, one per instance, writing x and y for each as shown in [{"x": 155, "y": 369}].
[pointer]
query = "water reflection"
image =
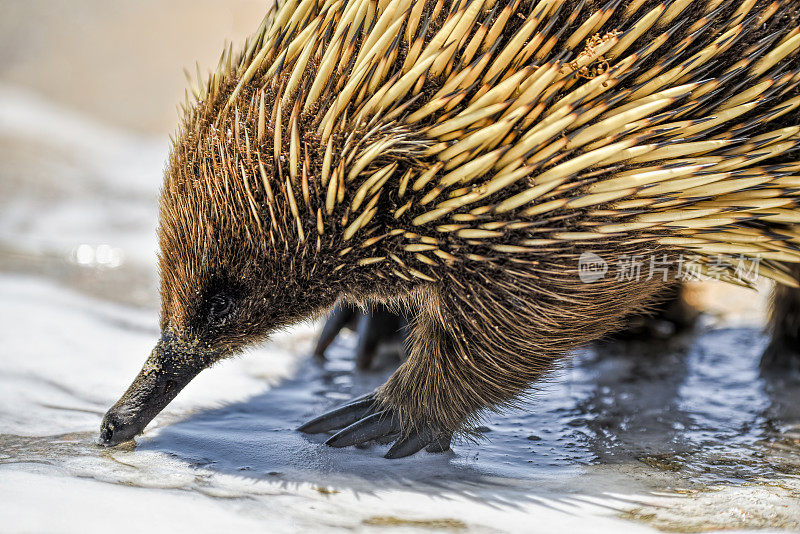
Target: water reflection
[
  {"x": 695, "y": 407},
  {"x": 635, "y": 408}
]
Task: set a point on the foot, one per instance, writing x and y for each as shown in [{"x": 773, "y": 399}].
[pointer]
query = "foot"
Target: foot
[
  {"x": 364, "y": 420},
  {"x": 378, "y": 326}
]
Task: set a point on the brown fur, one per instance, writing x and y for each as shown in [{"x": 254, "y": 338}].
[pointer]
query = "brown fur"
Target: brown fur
[{"x": 495, "y": 294}]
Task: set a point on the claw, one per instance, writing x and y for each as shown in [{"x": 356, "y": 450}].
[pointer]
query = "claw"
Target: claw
[
  {"x": 410, "y": 444},
  {"x": 361, "y": 425},
  {"x": 339, "y": 318},
  {"x": 440, "y": 444},
  {"x": 388, "y": 438},
  {"x": 372, "y": 427},
  {"x": 340, "y": 417}
]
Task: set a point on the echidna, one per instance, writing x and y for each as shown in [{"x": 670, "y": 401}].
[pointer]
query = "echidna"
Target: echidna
[{"x": 457, "y": 160}]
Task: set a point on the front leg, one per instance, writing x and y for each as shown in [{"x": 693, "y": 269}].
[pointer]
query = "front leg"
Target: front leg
[
  {"x": 393, "y": 411},
  {"x": 447, "y": 380}
]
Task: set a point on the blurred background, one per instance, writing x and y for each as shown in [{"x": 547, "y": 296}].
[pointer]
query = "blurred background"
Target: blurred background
[
  {"x": 88, "y": 96},
  {"x": 118, "y": 62},
  {"x": 683, "y": 436}
]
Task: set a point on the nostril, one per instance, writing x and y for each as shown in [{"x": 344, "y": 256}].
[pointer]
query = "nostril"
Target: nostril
[{"x": 107, "y": 432}]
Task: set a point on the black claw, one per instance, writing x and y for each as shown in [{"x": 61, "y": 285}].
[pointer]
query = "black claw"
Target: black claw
[
  {"x": 340, "y": 316},
  {"x": 389, "y": 438},
  {"x": 440, "y": 444},
  {"x": 365, "y": 396},
  {"x": 340, "y": 417},
  {"x": 407, "y": 446},
  {"x": 372, "y": 427}
]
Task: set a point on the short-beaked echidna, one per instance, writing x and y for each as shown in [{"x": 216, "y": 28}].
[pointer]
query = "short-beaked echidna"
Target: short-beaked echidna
[{"x": 459, "y": 160}]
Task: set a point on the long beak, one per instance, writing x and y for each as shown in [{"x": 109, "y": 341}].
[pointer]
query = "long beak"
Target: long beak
[{"x": 165, "y": 373}]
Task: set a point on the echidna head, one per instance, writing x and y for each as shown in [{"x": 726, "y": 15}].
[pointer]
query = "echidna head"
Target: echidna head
[
  {"x": 224, "y": 285},
  {"x": 218, "y": 288}
]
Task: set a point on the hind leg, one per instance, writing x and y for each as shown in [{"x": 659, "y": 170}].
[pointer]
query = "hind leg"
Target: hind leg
[
  {"x": 784, "y": 348},
  {"x": 670, "y": 315},
  {"x": 376, "y": 326}
]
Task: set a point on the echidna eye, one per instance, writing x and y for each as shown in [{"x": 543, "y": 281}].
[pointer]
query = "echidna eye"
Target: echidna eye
[{"x": 219, "y": 307}]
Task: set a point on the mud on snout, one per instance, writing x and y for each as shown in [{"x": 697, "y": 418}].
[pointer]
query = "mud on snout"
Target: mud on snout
[{"x": 170, "y": 366}]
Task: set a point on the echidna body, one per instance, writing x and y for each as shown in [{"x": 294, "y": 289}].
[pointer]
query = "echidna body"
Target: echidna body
[{"x": 454, "y": 159}]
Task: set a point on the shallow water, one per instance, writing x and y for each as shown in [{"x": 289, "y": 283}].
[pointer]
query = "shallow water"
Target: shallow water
[{"x": 685, "y": 435}]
